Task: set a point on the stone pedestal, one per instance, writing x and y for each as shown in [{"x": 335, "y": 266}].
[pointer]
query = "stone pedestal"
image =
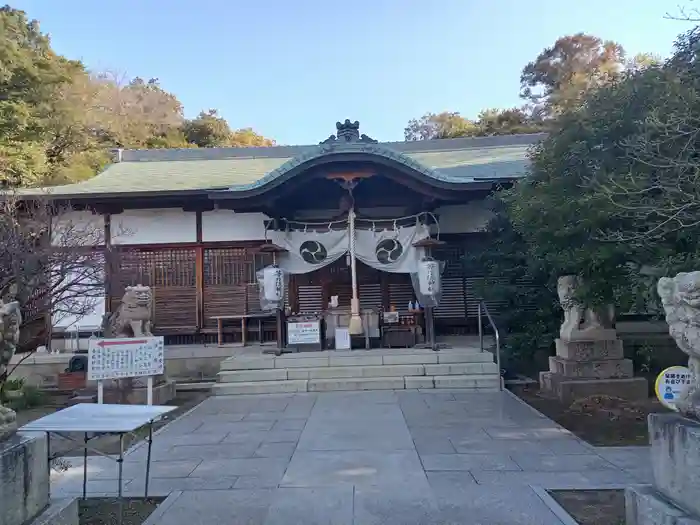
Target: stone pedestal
[
  {"x": 674, "y": 498},
  {"x": 24, "y": 478},
  {"x": 584, "y": 368}
]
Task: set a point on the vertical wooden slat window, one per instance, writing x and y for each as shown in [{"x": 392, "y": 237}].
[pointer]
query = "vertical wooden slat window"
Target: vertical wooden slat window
[
  {"x": 171, "y": 275},
  {"x": 229, "y": 283}
]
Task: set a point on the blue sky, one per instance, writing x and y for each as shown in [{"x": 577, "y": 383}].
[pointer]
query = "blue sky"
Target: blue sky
[{"x": 290, "y": 69}]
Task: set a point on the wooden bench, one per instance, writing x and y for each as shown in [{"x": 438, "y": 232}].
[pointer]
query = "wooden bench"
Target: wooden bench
[{"x": 243, "y": 318}]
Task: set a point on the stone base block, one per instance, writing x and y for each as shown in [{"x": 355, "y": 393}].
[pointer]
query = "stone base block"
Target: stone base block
[
  {"x": 598, "y": 334},
  {"x": 590, "y": 350},
  {"x": 162, "y": 393},
  {"x": 598, "y": 369},
  {"x": 675, "y": 456},
  {"x": 645, "y": 506},
  {"x": 24, "y": 478},
  {"x": 569, "y": 390}
]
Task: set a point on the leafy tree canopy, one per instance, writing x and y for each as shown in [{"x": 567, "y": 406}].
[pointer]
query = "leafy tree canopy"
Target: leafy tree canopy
[
  {"x": 449, "y": 125},
  {"x": 614, "y": 186},
  {"x": 555, "y": 81},
  {"x": 59, "y": 121}
]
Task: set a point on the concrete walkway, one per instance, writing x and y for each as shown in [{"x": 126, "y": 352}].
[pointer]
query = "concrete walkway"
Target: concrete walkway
[{"x": 364, "y": 458}]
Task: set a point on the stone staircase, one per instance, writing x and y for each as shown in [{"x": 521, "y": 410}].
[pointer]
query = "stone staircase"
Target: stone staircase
[{"x": 380, "y": 369}]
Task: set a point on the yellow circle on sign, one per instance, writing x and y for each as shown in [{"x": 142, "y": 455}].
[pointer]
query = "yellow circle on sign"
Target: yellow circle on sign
[{"x": 669, "y": 385}]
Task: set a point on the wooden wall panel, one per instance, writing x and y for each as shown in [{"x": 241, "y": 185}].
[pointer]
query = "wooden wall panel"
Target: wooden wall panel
[{"x": 171, "y": 274}]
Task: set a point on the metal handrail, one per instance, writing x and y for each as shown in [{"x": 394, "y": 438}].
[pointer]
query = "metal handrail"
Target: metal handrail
[{"x": 497, "y": 336}]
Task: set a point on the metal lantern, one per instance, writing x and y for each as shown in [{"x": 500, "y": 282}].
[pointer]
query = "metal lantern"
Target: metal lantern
[
  {"x": 273, "y": 284},
  {"x": 429, "y": 277}
]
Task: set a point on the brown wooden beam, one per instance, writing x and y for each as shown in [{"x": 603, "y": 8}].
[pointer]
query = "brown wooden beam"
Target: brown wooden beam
[
  {"x": 199, "y": 272},
  {"x": 190, "y": 245},
  {"x": 108, "y": 255}
]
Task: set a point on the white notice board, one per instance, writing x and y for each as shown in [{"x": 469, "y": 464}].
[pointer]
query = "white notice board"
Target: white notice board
[
  {"x": 304, "y": 333},
  {"x": 128, "y": 357}
]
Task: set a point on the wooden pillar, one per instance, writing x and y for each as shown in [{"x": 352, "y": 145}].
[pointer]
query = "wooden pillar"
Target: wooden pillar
[
  {"x": 109, "y": 262},
  {"x": 199, "y": 273},
  {"x": 384, "y": 287}
]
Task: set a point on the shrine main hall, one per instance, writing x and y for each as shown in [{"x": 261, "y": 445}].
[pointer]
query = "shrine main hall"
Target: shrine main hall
[{"x": 348, "y": 218}]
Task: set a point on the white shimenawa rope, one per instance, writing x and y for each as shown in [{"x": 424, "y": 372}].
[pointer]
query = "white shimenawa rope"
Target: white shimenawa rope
[{"x": 305, "y": 225}]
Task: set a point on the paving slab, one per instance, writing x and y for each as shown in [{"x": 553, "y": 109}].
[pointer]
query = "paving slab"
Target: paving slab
[
  {"x": 317, "y": 506},
  {"x": 480, "y": 505},
  {"x": 389, "y": 457},
  {"x": 357, "y": 467},
  {"x": 241, "y": 467},
  {"x": 567, "y": 463},
  {"x": 205, "y": 507}
]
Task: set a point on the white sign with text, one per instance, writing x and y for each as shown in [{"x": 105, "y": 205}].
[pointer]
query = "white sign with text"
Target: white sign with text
[
  {"x": 304, "y": 333},
  {"x": 127, "y": 357},
  {"x": 123, "y": 358}
]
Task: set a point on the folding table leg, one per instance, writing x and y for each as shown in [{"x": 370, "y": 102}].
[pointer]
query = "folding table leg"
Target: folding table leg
[
  {"x": 85, "y": 462},
  {"x": 148, "y": 459},
  {"x": 120, "y": 461}
]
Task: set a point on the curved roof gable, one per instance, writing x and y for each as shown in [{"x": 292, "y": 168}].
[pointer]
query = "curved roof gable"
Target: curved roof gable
[{"x": 328, "y": 149}]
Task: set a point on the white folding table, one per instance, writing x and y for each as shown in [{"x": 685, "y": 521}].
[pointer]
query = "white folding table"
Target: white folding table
[{"x": 95, "y": 420}]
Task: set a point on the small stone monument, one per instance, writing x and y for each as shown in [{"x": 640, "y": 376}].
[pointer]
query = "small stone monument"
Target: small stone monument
[
  {"x": 589, "y": 356},
  {"x": 24, "y": 471},
  {"x": 674, "y": 497}
]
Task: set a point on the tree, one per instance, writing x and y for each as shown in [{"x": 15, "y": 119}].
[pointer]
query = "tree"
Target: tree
[
  {"x": 657, "y": 188},
  {"x": 445, "y": 125},
  {"x": 528, "y": 313},
  {"x": 561, "y": 75},
  {"x": 449, "y": 125},
  {"x": 247, "y": 138},
  {"x": 58, "y": 122},
  {"x": 31, "y": 76},
  {"x": 49, "y": 262},
  {"x": 613, "y": 187},
  {"x": 507, "y": 122},
  {"x": 208, "y": 130}
]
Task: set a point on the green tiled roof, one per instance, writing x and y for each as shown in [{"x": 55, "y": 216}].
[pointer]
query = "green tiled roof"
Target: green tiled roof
[{"x": 453, "y": 161}]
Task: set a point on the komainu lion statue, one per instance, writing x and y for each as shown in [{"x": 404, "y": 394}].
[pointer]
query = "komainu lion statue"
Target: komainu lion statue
[
  {"x": 133, "y": 317},
  {"x": 582, "y": 323},
  {"x": 10, "y": 321},
  {"x": 680, "y": 297}
]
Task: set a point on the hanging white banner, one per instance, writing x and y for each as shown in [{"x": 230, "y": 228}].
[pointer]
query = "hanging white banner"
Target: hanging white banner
[
  {"x": 310, "y": 250},
  {"x": 390, "y": 250}
]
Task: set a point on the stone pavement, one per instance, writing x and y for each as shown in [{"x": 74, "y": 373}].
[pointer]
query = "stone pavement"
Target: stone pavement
[{"x": 364, "y": 458}]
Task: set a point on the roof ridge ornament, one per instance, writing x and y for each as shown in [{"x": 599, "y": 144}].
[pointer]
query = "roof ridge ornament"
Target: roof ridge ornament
[{"x": 348, "y": 132}]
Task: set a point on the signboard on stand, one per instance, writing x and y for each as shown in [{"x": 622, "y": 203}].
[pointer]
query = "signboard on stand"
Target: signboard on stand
[
  {"x": 670, "y": 384},
  {"x": 304, "y": 333},
  {"x": 123, "y": 358}
]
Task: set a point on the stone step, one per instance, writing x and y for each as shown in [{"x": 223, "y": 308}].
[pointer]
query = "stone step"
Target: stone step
[
  {"x": 332, "y": 372},
  {"x": 482, "y": 382},
  {"x": 354, "y": 358},
  {"x": 260, "y": 387}
]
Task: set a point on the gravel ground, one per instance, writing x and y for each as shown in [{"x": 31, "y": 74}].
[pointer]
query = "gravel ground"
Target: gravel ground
[{"x": 105, "y": 511}]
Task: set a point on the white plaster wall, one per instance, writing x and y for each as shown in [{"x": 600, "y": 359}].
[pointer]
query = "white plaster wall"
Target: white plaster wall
[
  {"x": 463, "y": 218},
  {"x": 77, "y": 228},
  {"x": 79, "y": 303},
  {"x": 91, "y": 321},
  {"x": 155, "y": 226},
  {"x": 227, "y": 225}
]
